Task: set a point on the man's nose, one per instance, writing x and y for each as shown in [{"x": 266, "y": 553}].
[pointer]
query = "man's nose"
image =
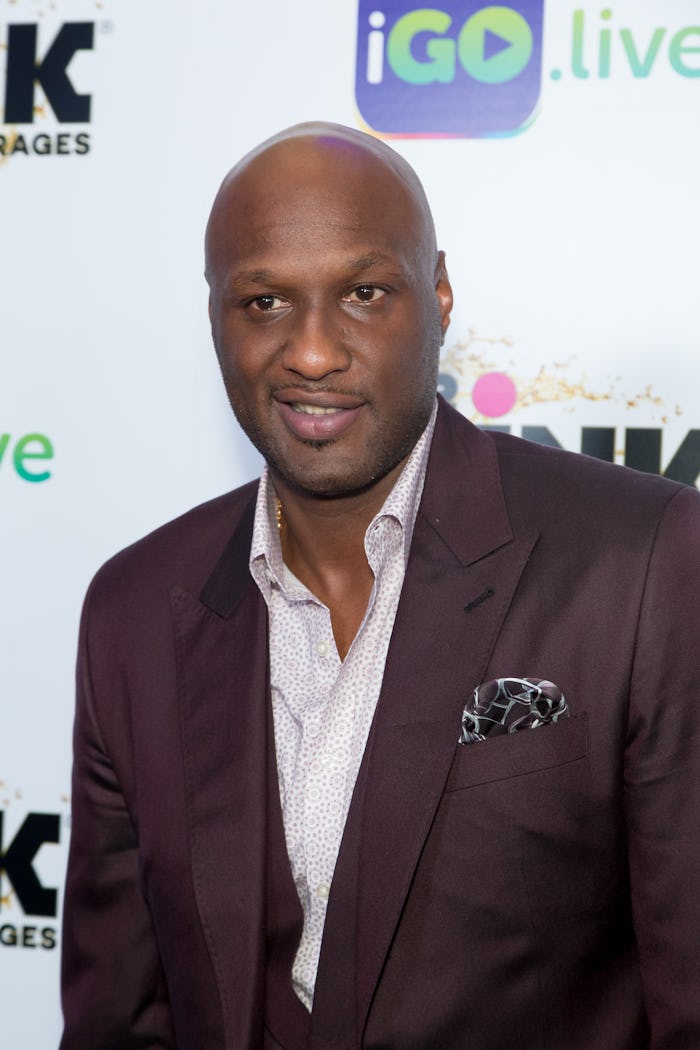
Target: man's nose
[{"x": 316, "y": 343}]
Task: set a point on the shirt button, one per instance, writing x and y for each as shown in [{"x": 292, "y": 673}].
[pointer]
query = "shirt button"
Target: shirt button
[
  {"x": 322, "y": 648},
  {"x": 328, "y": 761},
  {"x": 323, "y": 891}
]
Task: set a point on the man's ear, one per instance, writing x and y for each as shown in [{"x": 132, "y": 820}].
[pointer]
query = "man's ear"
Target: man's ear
[
  {"x": 211, "y": 309},
  {"x": 443, "y": 290}
]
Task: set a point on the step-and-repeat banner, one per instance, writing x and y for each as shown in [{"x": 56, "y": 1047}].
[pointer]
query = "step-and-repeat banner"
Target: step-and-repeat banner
[{"x": 558, "y": 142}]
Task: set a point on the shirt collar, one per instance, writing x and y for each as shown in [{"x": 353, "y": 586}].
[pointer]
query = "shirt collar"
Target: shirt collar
[
  {"x": 403, "y": 501},
  {"x": 266, "y": 564}
]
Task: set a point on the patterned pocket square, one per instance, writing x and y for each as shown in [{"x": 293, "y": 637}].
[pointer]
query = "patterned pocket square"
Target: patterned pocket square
[{"x": 507, "y": 705}]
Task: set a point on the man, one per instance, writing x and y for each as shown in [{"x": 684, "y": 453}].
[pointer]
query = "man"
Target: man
[{"x": 293, "y": 827}]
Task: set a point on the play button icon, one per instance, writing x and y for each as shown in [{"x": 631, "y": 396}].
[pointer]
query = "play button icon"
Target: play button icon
[{"x": 495, "y": 45}]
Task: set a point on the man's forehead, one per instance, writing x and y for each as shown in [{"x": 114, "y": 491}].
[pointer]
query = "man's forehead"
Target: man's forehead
[{"x": 290, "y": 239}]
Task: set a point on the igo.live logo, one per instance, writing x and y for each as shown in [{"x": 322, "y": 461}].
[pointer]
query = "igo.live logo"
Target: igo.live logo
[{"x": 470, "y": 70}]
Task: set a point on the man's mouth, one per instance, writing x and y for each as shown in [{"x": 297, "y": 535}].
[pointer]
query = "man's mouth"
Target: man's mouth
[{"x": 311, "y": 421}]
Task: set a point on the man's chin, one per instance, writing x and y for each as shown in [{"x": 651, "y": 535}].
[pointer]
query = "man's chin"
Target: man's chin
[
  {"x": 328, "y": 484},
  {"x": 327, "y": 488}
]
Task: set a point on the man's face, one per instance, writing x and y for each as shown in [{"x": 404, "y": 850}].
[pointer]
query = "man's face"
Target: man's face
[{"x": 328, "y": 309}]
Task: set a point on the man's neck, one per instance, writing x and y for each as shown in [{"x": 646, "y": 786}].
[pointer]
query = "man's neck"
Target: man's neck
[{"x": 323, "y": 545}]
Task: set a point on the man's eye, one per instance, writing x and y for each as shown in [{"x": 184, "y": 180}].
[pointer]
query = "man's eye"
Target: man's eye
[
  {"x": 365, "y": 293},
  {"x": 266, "y": 303}
]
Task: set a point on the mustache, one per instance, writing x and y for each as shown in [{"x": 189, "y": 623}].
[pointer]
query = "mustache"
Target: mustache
[{"x": 306, "y": 386}]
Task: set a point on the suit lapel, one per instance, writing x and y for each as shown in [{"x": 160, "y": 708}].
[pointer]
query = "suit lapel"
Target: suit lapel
[
  {"x": 415, "y": 735},
  {"x": 464, "y": 568},
  {"x": 221, "y": 650}
]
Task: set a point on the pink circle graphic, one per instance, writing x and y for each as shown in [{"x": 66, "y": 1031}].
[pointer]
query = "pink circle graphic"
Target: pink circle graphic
[{"x": 494, "y": 394}]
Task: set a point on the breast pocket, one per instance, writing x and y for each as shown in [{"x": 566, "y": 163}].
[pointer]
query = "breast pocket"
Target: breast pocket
[{"x": 517, "y": 754}]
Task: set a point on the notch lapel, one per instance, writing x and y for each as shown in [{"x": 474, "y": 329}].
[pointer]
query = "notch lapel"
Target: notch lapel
[{"x": 221, "y": 653}]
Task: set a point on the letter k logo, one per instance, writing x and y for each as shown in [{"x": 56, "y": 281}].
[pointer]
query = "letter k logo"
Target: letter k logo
[
  {"x": 16, "y": 862},
  {"x": 23, "y": 70}
]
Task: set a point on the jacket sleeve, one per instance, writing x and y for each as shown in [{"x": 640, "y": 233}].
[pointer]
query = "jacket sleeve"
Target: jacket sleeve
[
  {"x": 662, "y": 779},
  {"x": 113, "y": 989}
]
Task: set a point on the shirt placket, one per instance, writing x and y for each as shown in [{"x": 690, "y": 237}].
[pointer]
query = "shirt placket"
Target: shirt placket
[{"x": 321, "y": 803}]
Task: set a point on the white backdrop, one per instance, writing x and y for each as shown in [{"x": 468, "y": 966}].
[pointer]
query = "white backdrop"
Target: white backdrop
[{"x": 572, "y": 246}]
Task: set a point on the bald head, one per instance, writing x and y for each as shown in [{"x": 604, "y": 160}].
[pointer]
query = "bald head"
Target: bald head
[{"x": 325, "y": 160}]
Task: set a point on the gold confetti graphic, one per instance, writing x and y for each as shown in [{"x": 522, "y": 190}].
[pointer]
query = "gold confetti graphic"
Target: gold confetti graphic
[{"x": 560, "y": 382}]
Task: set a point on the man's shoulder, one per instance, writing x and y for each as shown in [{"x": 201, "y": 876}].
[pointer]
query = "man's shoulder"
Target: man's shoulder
[
  {"x": 567, "y": 494},
  {"x": 528, "y": 464},
  {"x": 542, "y": 484},
  {"x": 183, "y": 552}
]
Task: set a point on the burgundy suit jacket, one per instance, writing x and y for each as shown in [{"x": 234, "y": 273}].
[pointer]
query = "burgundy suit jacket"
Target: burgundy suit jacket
[{"x": 534, "y": 891}]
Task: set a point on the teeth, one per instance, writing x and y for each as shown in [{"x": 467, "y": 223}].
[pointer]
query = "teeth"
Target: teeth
[{"x": 313, "y": 410}]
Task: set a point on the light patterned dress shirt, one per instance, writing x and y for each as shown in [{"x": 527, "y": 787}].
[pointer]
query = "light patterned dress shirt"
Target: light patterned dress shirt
[{"x": 322, "y": 705}]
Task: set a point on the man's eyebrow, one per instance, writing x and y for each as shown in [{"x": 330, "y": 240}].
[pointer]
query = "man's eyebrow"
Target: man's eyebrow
[
  {"x": 366, "y": 262},
  {"x": 266, "y": 277},
  {"x": 252, "y": 277}
]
